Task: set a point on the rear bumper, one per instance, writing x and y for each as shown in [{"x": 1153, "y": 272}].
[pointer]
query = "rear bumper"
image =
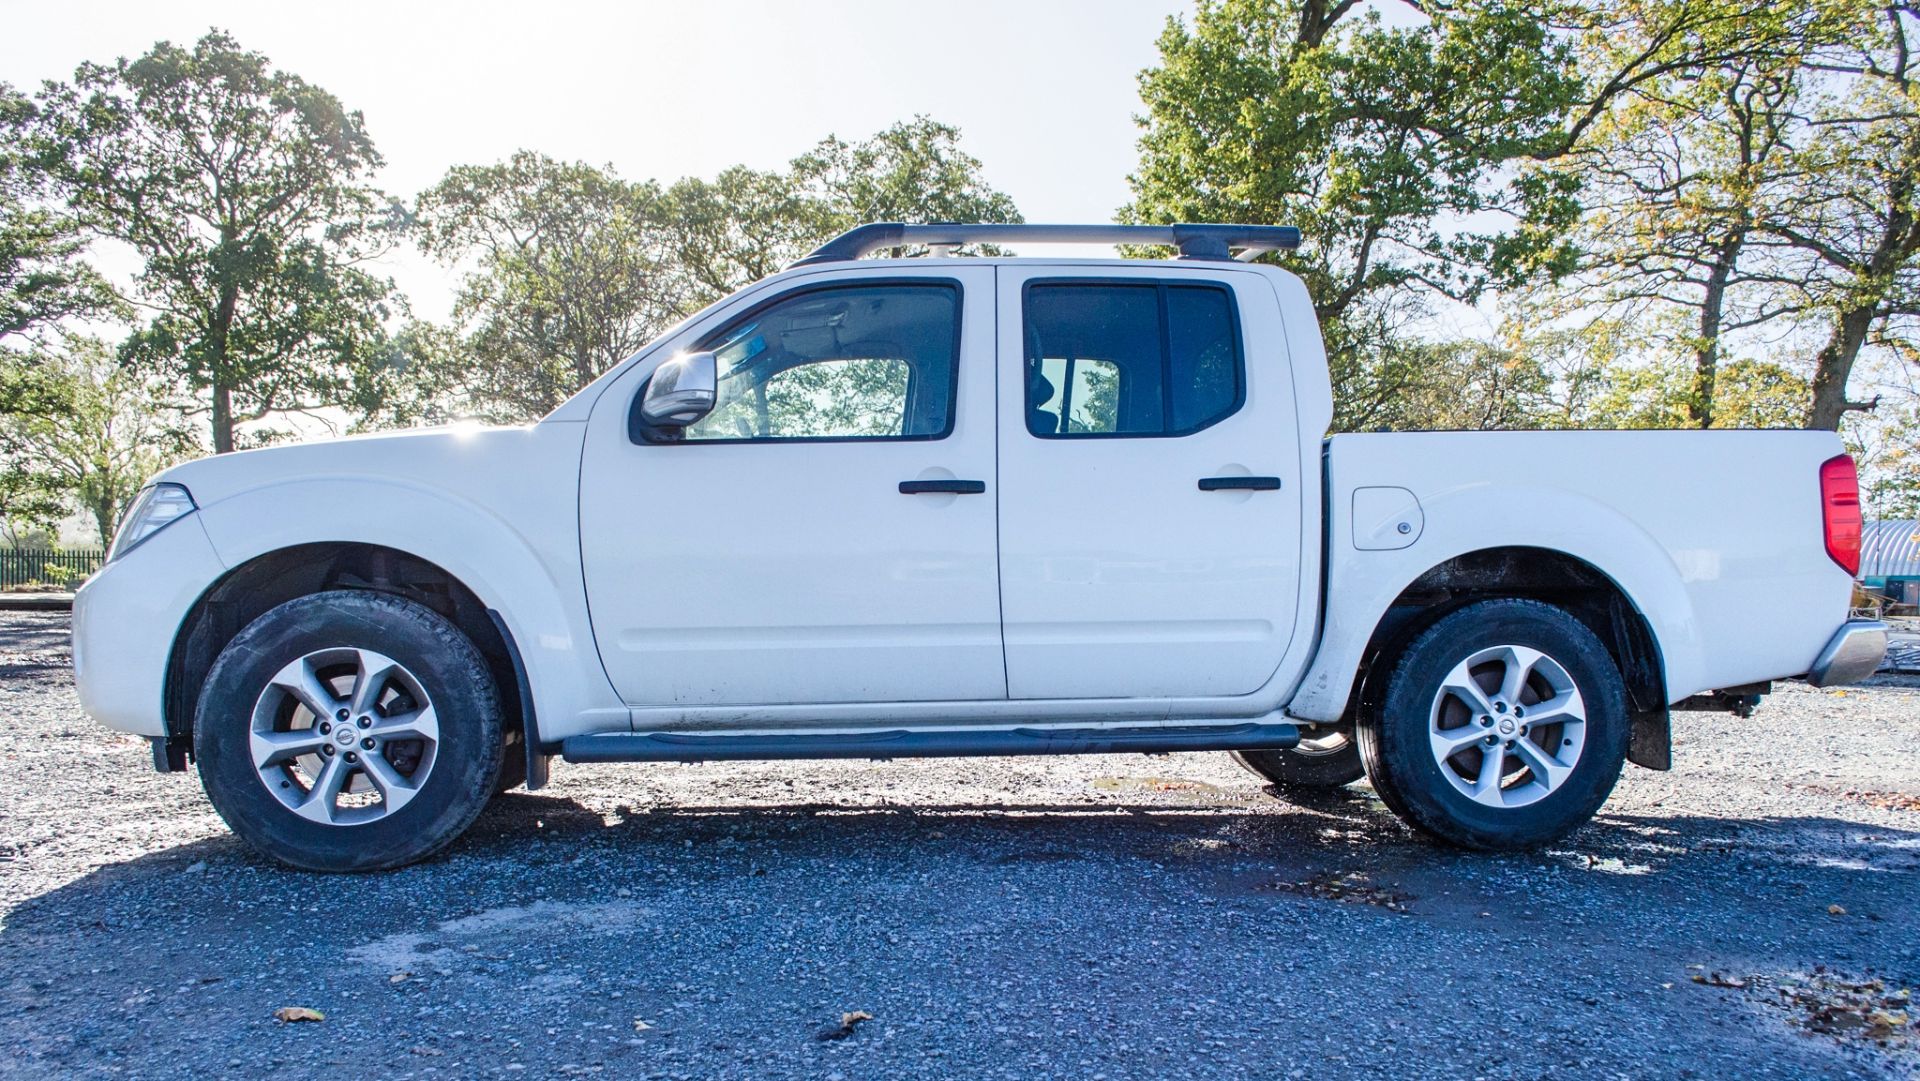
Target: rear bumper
[{"x": 1852, "y": 654}]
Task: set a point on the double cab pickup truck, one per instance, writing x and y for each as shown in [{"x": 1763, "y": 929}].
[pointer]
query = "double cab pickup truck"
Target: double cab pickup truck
[{"x": 882, "y": 508}]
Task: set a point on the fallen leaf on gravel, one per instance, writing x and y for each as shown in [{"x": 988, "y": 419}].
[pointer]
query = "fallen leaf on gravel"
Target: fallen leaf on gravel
[
  {"x": 290, "y": 1014},
  {"x": 845, "y": 1028},
  {"x": 1714, "y": 979},
  {"x": 1351, "y": 886},
  {"x": 1836, "y": 910}
]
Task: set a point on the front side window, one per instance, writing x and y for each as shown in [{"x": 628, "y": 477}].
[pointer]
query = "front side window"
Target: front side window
[
  {"x": 1125, "y": 359},
  {"x": 845, "y": 362}
]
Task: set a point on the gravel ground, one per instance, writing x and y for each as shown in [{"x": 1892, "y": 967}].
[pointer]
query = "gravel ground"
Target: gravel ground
[{"x": 1097, "y": 917}]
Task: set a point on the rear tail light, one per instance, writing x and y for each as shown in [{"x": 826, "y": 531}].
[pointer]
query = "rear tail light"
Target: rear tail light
[{"x": 1840, "y": 511}]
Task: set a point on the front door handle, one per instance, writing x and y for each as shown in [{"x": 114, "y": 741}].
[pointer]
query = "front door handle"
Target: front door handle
[
  {"x": 946, "y": 487},
  {"x": 1239, "y": 484}
]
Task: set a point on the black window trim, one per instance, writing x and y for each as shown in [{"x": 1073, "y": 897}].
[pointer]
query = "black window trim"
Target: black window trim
[
  {"x": 1161, "y": 285},
  {"x": 639, "y": 433}
]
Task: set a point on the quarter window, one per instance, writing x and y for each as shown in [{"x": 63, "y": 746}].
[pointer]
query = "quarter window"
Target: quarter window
[
  {"x": 1125, "y": 359},
  {"x": 847, "y": 362}
]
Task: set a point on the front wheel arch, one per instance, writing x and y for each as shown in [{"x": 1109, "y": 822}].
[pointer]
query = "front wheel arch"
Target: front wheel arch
[{"x": 266, "y": 581}]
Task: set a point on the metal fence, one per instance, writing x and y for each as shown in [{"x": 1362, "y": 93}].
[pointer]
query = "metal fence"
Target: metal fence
[{"x": 47, "y": 566}]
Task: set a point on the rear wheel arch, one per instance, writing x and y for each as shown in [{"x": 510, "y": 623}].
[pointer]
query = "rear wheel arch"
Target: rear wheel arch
[
  {"x": 273, "y": 578},
  {"x": 1553, "y": 577}
]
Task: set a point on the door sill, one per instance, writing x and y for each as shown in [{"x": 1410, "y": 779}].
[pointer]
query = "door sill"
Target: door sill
[{"x": 680, "y": 746}]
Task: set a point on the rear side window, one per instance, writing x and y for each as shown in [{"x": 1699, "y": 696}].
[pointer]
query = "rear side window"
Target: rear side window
[{"x": 1130, "y": 359}]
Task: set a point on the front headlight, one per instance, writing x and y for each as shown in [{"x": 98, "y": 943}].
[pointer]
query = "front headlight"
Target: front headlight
[{"x": 157, "y": 507}]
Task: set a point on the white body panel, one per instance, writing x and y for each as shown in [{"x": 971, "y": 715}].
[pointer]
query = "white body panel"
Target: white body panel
[
  {"x": 1714, "y": 536},
  {"x": 767, "y": 587},
  {"x": 795, "y": 572},
  {"x": 494, "y": 508},
  {"x": 1119, "y": 577}
]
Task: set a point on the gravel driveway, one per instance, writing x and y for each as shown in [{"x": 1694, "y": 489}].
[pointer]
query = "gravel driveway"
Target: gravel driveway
[{"x": 1113, "y": 916}]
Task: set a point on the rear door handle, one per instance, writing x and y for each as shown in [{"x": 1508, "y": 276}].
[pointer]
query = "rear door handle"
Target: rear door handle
[
  {"x": 947, "y": 487},
  {"x": 1239, "y": 484}
]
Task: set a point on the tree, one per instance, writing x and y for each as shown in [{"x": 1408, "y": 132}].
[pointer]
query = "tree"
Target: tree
[
  {"x": 571, "y": 274},
  {"x": 747, "y": 224},
  {"x": 43, "y": 278},
  {"x": 245, "y": 191},
  {"x": 112, "y": 430},
  {"x": 1846, "y": 205},
  {"x": 1364, "y": 136},
  {"x": 576, "y": 268}
]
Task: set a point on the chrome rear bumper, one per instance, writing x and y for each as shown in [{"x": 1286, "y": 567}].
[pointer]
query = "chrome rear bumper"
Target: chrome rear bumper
[{"x": 1853, "y": 654}]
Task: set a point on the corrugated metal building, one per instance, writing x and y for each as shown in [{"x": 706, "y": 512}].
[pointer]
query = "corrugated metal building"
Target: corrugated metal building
[{"x": 1890, "y": 561}]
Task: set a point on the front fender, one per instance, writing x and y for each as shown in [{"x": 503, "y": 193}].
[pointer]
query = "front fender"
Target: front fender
[{"x": 530, "y": 575}]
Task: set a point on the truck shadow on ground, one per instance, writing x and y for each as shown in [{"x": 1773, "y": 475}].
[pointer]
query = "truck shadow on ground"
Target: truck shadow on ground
[{"x": 558, "y": 846}]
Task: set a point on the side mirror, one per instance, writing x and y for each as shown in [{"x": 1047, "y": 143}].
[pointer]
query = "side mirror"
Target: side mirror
[{"x": 681, "y": 391}]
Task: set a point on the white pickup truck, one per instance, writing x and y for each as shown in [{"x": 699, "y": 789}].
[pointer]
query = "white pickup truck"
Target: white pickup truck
[{"x": 884, "y": 508}]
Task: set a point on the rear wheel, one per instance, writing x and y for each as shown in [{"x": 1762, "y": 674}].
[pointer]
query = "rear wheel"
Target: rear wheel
[
  {"x": 1503, "y": 726},
  {"x": 349, "y": 731},
  {"x": 1326, "y": 757}
]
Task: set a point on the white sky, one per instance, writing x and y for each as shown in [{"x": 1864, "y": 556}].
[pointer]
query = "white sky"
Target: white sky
[{"x": 1043, "y": 91}]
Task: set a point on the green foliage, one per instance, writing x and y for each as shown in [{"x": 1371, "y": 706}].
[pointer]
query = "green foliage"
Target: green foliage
[
  {"x": 244, "y": 190},
  {"x": 571, "y": 273},
  {"x": 576, "y": 268},
  {"x": 43, "y": 278},
  {"x": 1370, "y": 139},
  {"x": 109, "y": 431}
]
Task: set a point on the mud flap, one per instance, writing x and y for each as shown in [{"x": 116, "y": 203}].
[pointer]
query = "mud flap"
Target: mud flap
[{"x": 1651, "y": 743}]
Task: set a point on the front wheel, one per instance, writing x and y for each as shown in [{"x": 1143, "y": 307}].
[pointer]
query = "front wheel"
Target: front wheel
[
  {"x": 1503, "y": 726},
  {"x": 349, "y": 731}
]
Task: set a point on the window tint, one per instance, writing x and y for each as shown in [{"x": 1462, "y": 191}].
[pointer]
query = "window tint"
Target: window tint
[
  {"x": 1125, "y": 359},
  {"x": 850, "y": 362}
]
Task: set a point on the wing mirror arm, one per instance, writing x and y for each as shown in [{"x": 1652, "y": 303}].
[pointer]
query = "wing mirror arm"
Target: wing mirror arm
[{"x": 681, "y": 391}]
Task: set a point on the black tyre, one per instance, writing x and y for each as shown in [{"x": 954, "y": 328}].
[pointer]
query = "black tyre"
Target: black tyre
[
  {"x": 1503, "y": 726},
  {"x": 349, "y": 731},
  {"x": 1327, "y": 757}
]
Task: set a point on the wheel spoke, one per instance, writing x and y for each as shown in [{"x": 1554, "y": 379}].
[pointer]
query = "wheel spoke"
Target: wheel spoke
[
  {"x": 1520, "y": 662},
  {"x": 395, "y": 790},
  {"x": 1547, "y": 769},
  {"x": 369, "y": 681},
  {"x": 1451, "y": 741},
  {"x": 1565, "y": 707},
  {"x": 1486, "y": 787},
  {"x": 1460, "y": 684},
  {"x": 298, "y": 680},
  {"x": 319, "y": 804},
  {"x": 419, "y": 724},
  {"x": 270, "y": 748}
]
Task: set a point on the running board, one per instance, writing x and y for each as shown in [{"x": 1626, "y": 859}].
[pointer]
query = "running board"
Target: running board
[{"x": 940, "y": 743}]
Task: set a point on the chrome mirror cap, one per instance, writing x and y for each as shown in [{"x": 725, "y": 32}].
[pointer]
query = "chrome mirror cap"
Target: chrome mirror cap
[{"x": 681, "y": 391}]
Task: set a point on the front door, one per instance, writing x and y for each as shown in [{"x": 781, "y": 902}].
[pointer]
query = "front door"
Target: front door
[
  {"x": 827, "y": 533},
  {"x": 1150, "y": 485}
]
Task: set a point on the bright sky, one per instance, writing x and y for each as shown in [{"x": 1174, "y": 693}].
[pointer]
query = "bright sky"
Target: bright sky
[{"x": 1043, "y": 90}]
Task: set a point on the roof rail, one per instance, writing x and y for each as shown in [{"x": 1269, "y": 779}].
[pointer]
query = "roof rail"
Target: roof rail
[{"x": 1195, "y": 241}]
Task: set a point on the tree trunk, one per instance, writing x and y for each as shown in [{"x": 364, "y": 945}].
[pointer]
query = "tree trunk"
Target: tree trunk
[
  {"x": 1706, "y": 348},
  {"x": 222, "y": 418},
  {"x": 1835, "y": 363}
]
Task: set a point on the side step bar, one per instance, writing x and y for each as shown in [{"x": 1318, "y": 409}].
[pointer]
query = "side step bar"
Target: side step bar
[{"x": 940, "y": 743}]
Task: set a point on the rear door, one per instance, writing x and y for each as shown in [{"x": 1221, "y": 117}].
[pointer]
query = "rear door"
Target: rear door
[{"x": 1150, "y": 482}]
